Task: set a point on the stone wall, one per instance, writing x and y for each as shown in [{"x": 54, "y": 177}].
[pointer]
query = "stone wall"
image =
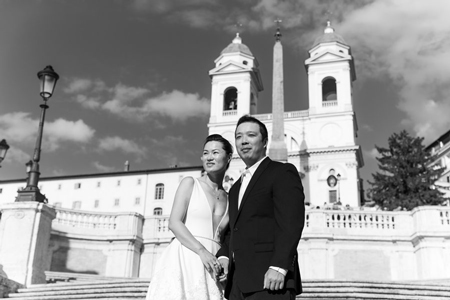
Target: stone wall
[{"x": 336, "y": 244}]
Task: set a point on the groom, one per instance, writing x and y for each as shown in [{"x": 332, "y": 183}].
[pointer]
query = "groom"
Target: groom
[{"x": 267, "y": 213}]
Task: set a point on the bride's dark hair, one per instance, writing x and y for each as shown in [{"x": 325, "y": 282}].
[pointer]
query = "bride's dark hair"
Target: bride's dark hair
[{"x": 218, "y": 138}]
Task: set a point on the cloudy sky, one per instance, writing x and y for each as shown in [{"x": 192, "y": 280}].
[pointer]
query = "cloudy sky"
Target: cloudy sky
[{"x": 134, "y": 74}]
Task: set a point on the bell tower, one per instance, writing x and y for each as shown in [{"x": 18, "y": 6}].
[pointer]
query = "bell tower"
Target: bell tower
[
  {"x": 332, "y": 152},
  {"x": 331, "y": 73},
  {"x": 236, "y": 83}
]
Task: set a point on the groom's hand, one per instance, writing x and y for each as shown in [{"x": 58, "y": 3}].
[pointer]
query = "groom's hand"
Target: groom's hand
[
  {"x": 273, "y": 280},
  {"x": 223, "y": 276}
]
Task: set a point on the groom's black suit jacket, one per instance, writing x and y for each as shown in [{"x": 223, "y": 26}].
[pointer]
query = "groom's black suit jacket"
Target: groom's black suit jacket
[{"x": 266, "y": 229}]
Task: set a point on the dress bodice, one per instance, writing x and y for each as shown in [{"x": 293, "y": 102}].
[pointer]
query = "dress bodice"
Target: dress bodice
[{"x": 199, "y": 218}]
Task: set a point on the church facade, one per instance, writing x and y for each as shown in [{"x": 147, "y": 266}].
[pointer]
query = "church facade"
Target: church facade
[{"x": 320, "y": 141}]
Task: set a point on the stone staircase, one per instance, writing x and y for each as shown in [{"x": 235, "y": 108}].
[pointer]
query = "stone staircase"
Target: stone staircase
[{"x": 313, "y": 289}]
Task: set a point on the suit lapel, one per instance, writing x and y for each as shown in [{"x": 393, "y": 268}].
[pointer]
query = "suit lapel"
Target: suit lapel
[
  {"x": 262, "y": 167},
  {"x": 233, "y": 200}
]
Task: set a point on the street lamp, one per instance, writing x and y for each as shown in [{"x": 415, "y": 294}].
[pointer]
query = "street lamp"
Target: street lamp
[
  {"x": 3, "y": 149},
  {"x": 48, "y": 79}
]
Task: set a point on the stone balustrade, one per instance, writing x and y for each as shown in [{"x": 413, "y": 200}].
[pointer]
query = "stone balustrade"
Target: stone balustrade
[
  {"x": 286, "y": 115},
  {"x": 105, "y": 224},
  {"x": 232, "y": 112},
  {"x": 401, "y": 245},
  {"x": 329, "y": 103}
]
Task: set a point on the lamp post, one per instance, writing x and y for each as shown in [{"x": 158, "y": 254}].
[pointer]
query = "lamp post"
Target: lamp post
[
  {"x": 48, "y": 79},
  {"x": 3, "y": 149}
]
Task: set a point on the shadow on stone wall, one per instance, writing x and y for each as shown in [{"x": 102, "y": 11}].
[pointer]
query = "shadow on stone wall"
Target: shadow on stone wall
[{"x": 72, "y": 258}]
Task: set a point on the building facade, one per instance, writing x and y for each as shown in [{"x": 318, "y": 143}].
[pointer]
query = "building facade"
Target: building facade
[
  {"x": 440, "y": 149},
  {"x": 146, "y": 192}
]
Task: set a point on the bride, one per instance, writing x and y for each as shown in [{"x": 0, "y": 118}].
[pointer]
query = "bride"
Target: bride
[{"x": 188, "y": 268}]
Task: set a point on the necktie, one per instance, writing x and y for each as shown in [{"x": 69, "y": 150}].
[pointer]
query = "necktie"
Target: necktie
[{"x": 245, "y": 179}]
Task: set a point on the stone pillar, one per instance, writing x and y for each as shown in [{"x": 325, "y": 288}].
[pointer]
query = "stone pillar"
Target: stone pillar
[
  {"x": 123, "y": 258},
  {"x": 25, "y": 229},
  {"x": 278, "y": 150}
]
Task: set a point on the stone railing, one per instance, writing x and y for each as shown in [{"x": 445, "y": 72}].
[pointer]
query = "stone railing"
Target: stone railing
[
  {"x": 445, "y": 217},
  {"x": 287, "y": 115},
  {"x": 353, "y": 219},
  {"x": 329, "y": 103},
  {"x": 85, "y": 219},
  {"x": 157, "y": 228},
  {"x": 90, "y": 223},
  {"x": 228, "y": 113},
  {"x": 355, "y": 222}
]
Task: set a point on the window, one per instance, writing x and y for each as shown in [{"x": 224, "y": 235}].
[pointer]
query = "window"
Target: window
[
  {"x": 1, "y": 191},
  {"x": 99, "y": 184},
  {"x": 118, "y": 182},
  {"x": 137, "y": 201},
  {"x": 329, "y": 89},
  {"x": 77, "y": 185},
  {"x": 76, "y": 205},
  {"x": 230, "y": 99},
  {"x": 59, "y": 186},
  {"x": 159, "y": 191},
  {"x": 139, "y": 181},
  {"x": 96, "y": 203},
  {"x": 157, "y": 211},
  {"x": 116, "y": 202},
  {"x": 333, "y": 196}
]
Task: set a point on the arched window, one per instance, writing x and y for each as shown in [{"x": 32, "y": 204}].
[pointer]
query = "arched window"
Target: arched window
[
  {"x": 230, "y": 99},
  {"x": 76, "y": 205},
  {"x": 159, "y": 191},
  {"x": 329, "y": 89},
  {"x": 157, "y": 211}
]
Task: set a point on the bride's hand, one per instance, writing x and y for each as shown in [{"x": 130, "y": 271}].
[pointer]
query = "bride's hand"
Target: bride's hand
[{"x": 210, "y": 262}]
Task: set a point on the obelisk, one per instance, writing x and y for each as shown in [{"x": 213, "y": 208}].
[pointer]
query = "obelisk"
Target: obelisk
[{"x": 278, "y": 150}]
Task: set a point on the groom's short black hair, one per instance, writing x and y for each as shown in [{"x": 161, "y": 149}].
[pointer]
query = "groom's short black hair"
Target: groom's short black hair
[{"x": 250, "y": 119}]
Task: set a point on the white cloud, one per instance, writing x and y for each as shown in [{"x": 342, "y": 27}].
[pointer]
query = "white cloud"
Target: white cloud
[
  {"x": 21, "y": 129},
  {"x": 116, "y": 143},
  {"x": 367, "y": 127},
  {"x": 412, "y": 46},
  {"x": 18, "y": 127},
  {"x": 178, "y": 105},
  {"x": 77, "y": 85},
  {"x": 103, "y": 168},
  {"x": 62, "y": 130},
  {"x": 86, "y": 102},
  {"x": 134, "y": 103},
  {"x": 164, "y": 6},
  {"x": 15, "y": 154}
]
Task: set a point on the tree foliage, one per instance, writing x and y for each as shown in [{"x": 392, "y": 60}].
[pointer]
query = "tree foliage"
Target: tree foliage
[{"x": 406, "y": 179}]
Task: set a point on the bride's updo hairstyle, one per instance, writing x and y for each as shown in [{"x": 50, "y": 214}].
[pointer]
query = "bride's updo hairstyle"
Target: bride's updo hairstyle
[{"x": 225, "y": 143}]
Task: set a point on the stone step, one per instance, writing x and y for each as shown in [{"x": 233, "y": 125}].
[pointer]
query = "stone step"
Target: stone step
[
  {"x": 313, "y": 289},
  {"x": 83, "y": 285}
]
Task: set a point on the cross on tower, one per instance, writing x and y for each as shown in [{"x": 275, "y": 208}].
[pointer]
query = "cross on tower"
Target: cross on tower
[
  {"x": 237, "y": 25},
  {"x": 278, "y": 33},
  {"x": 329, "y": 13}
]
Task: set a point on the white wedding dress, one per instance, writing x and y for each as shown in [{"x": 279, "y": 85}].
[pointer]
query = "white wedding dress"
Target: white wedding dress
[{"x": 179, "y": 273}]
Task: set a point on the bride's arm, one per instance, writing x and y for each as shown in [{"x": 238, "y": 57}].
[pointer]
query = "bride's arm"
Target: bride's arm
[{"x": 179, "y": 229}]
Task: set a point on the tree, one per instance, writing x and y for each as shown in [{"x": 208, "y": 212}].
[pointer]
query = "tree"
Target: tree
[{"x": 406, "y": 179}]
